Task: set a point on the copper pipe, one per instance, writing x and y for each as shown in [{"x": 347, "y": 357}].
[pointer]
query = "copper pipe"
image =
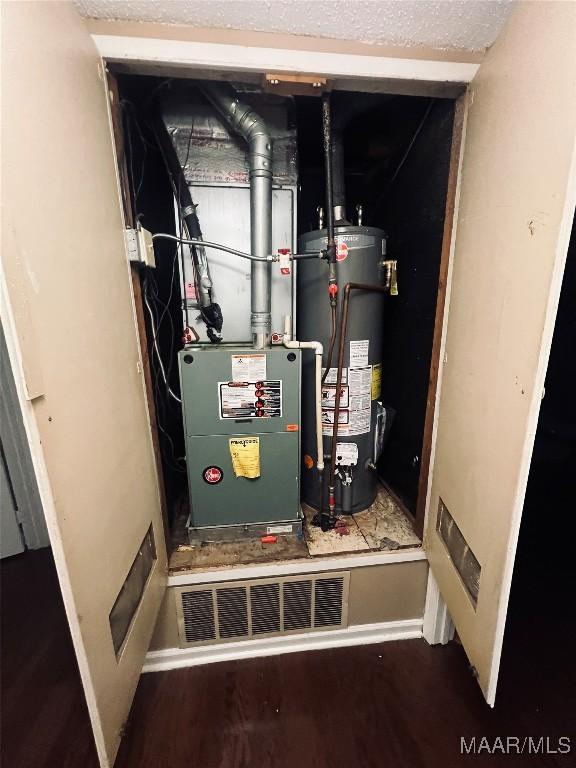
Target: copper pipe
[{"x": 341, "y": 350}]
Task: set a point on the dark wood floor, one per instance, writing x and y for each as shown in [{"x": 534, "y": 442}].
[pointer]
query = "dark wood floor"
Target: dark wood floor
[
  {"x": 401, "y": 704},
  {"x": 44, "y": 718}
]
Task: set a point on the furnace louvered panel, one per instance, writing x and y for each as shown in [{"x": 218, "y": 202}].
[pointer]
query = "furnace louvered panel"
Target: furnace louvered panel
[{"x": 262, "y": 608}]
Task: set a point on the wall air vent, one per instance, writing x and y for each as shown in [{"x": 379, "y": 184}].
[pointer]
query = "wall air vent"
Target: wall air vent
[
  {"x": 243, "y": 610},
  {"x": 198, "y": 615},
  {"x": 462, "y": 557}
]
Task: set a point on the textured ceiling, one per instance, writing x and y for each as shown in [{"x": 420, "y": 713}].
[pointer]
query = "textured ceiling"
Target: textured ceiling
[{"x": 471, "y": 25}]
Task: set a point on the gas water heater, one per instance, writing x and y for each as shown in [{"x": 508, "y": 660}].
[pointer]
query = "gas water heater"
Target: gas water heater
[{"x": 361, "y": 253}]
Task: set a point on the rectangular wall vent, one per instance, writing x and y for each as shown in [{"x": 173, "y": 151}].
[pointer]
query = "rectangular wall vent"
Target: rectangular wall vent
[
  {"x": 130, "y": 595},
  {"x": 262, "y": 608},
  {"x": 462, "y": 557}
]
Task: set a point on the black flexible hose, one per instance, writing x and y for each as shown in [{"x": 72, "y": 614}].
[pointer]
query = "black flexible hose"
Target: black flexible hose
[
  {"x": 179, "y": 184},
  {"x": 210, "y": 311}
]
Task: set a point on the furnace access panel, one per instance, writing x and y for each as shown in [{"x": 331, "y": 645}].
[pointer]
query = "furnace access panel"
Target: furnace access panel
[{"x": 242, "y": 424}]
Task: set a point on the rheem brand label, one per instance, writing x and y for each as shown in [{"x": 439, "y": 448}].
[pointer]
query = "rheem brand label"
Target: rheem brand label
[
  {"x": 341, "y": 251},
  {"x": 212, "y": 475}
]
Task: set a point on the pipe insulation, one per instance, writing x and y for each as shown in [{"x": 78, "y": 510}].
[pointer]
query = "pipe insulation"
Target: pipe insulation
[{"x": 245, "y": 121}]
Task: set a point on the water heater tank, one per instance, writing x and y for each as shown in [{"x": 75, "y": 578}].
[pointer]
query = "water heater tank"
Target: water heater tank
[{"x": 361, "y": 251}]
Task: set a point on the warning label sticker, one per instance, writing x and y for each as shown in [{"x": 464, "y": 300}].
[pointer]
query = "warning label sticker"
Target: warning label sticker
[
  {"x": 332, "y": 377},
  {"x": 359, "y": 422},
  {"x": 244, "y": 401},
  {"x": 355, "y": 400},
  {"x": 248, "y": 367},
  {"x": 237, "y": 401},
  {"x": 376, "y": 381},
  {"x": 346, "y": 454},
  {"x": 360, "y": 389},
  {"x": 329, "y": 396},
  {"x": 328, "y": 421},
  {"x": 245, "y": 455},
  {"x": 359, "y": 353}
]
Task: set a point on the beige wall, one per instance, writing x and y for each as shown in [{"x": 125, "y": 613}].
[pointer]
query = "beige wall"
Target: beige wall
[
  {"x": 377, "y": 593},
  {"x": 511, "y": 239},
  {"x": 68, "y": 284}
]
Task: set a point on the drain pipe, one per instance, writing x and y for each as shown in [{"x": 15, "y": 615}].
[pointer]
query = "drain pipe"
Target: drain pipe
[
  {"x": 245, "y": 121},
  {"x": 318, "y": 351}
]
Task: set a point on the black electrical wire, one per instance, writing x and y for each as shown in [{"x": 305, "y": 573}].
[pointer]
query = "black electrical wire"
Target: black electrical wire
[
  {"x": 161, "y": 415},
  {"x": 155, "y": 297},
  {"x": 411, "y": 144},
  {"x": 163, "y": 395},
  {"x": 166, "y": 310},
  {"x": 136, "y": 189},
  {"x": 154, "y": 345}
]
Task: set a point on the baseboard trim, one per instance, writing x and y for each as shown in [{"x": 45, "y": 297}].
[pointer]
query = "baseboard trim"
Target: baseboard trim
[{"x": 362, "y": 634}]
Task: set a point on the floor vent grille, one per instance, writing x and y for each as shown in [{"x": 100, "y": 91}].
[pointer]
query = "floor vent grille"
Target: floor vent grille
[{"x": 261, "y": 608}]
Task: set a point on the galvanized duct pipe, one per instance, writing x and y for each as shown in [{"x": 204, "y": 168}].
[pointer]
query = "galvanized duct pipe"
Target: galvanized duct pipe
[{"x": 242, "y": 119}]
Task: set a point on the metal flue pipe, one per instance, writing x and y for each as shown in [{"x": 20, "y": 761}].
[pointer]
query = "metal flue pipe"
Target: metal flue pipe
[{"x": 245, "y": 121}]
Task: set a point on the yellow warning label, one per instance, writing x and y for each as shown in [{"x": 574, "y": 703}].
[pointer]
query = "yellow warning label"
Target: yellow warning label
[
  {"x": 245, "y": 454},
  {"x": 376, "y": 381},
  {"x": 394, "y": 282}
]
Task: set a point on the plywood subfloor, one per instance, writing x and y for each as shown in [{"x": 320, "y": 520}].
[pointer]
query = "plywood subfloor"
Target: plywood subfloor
[
  {"x": 346, "y": 538},
  {"x": 224, "y": 554},
  {"x": 384, "y": 526}
]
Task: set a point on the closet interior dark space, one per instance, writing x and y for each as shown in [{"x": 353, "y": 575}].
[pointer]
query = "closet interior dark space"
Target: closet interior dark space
[{"x": 396, "y": 152}]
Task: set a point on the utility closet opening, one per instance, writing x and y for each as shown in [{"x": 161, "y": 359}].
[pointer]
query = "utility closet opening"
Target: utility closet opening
[{"x": 242, "y": 422}]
